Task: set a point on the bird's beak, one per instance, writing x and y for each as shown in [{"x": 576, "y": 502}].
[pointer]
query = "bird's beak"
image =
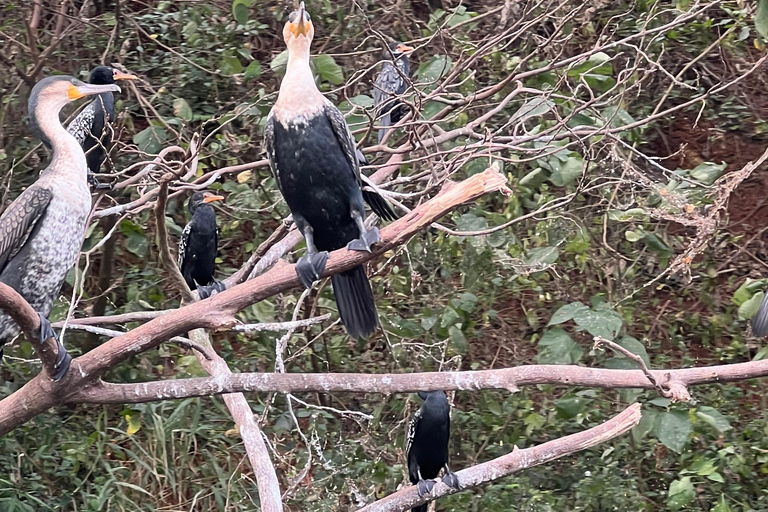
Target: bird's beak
[
  {"x": 301, "y": 27},
  {"x": 404, "y": 48},
  {"x": 78, "y": 91},
  {"x": 119, "y": 75},
  {"x": 211, "y": 199}
]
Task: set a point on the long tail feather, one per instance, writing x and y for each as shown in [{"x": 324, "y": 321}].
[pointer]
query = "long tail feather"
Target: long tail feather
[{"x": 354, "y": 299}]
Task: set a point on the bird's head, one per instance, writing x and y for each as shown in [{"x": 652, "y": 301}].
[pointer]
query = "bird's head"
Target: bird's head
[
  {"x": 399, "y": 49},
  {"x": 108, "y": 75},
  {"x": 434, "y": 395},
  {"x": 298, "y": 30},
  {"x": 205, "y": 197}
]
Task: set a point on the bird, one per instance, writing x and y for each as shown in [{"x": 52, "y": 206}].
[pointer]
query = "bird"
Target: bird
[
  {"x": 41, "y": 232},
  {"x": 427, "y": 444},
  {"x": 199, "y": 243},
  {"x": 91, "y": 127},
  {"x": 760, "y": 320},
  {"x": 316, "y": 165},
  {"x": 391, "y": 83}
]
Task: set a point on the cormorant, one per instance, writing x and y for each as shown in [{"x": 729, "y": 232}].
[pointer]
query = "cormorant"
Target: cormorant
[
  {"x": 199, "y": 243},
  {"x": 91, "y": 126},
  {"x": 42, "y": 231},
  {"x": 760, "y": 320},
  {"x": 315, "y": 162},
  {"x": 427, "y": 444},
  {"x": 389, "y": 84}
]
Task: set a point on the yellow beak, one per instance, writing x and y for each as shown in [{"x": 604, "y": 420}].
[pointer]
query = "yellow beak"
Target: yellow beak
[
  {"x": 212, "y": 198},
  {"x": 300, "y": 27},
  {"x": 119, "y": 75},
  {"x": 78, "y": 91}
]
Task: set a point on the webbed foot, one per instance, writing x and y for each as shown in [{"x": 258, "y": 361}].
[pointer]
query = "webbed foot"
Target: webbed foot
[
  {"x": 451, "y": 480},
  {"x": 63, "y": 359},
  {"x": 310, "y": 267},
  {"x": 206, "y": 291},
  {"x": 365, "y": 241},
  {"x": 425, "y": 487}
]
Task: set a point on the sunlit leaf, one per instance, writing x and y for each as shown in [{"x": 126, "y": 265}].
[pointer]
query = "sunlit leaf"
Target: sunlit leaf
[
  {"x": 328, "y": 70},
  {"x": 672, "y": 429},
  {"x": 557, "y": 347}
]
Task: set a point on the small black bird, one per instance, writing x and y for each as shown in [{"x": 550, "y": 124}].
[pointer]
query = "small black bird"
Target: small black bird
[
  {"x": 389, "y": 84},
  {"x": 316, "y": 165},
  {"x": 427, "y": 444},
  {"x": 199, "y": 243},
  {"x": 91, "y": 126},
  {"x": 760, "y": 320},
  {"x": 41, "y": 232}
]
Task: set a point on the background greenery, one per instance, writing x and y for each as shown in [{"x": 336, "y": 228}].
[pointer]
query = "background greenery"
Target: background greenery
[{"x": 535, "y": 292}]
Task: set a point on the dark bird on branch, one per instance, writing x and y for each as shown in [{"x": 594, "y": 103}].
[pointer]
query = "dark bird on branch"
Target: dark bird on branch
[
  {"x": 427, "y": 444},
  {"x": 42, "y": 231},
  {"x": 199, "y": 244},
  {"x": 316, "y": 165},
  {"x": 760, "y": 320},
  {"x": 92, "y": 127},
  {"x": 390, "y": 84}
]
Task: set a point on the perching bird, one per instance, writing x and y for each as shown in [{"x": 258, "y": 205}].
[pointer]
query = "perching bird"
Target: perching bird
[
  {"x": 760, "y": 320},
  {"x": 391, "y": 83},
  {"x": 315, "y": 162},
  {"x": 42, "y": 231},
  {"x": 427, "y": 444},
  {"x": 91, "y": 126},
  {"x": 199, "y": 242}
]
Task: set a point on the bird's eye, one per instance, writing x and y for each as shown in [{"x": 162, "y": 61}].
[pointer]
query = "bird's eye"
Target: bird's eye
[
  {"x": 309, "y": 18},
  {"x": 74, "y": 81},
  {"x": 292, "y": 16}
]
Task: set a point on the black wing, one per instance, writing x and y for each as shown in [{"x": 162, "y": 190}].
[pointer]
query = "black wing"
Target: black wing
[
  {"x": 344, "y": 136},
  {"x": 413, "y": 469},
  {"x": 389, "y": 83},
  {"x": 269, "y": 147},
  {"x": 183, "y": 243},
  {"x": 378, "y": 204},
  {"x": 20, "y": 219},
  {"x": 80, "y": 127},
  {"x": 760, "y": 320}
]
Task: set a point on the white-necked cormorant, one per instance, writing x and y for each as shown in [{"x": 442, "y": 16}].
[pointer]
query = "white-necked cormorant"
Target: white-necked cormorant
[
  {"x": 42, "y": 231},
  {"x": 315, "y": 162},
  {"x": 389, "y": 84},
  {"x": 199, "y": 243},
  {"x": 427, "y": 444},
  {"x": 92, "y": 127}
]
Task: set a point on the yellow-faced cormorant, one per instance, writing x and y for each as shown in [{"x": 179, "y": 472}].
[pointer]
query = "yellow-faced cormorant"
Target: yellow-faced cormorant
[
  {"x": 427, "y": 444},
  {"x": 199, "y": 243},
  {"x": 91, "y": 127},
  {"x": 315, "y": 162},
  {"x": 42, "y": 231},
  {"x": 389, "y": 84}
]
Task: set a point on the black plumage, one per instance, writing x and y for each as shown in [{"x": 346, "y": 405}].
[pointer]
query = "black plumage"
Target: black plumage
[
  {"x": 427, "y": 444},
  {"x": 199, "y": 241},
  {"x": 92, "y": 127},
  {"x": 760, "y": 320},
  {"x": 42, "y": 231},
  {"x": 317, "y": 168},
  {"x": 390, "y": 84}
]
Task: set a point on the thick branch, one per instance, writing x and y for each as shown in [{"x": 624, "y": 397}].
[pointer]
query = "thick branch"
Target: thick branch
[{"x": 513, "y": 462}]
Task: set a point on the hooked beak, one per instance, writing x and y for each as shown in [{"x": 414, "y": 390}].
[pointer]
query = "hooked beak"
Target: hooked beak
[
  {"x": 301, "y": 27},
  {"x": 78, "y": 91},
  {"x": 404, "y": 48},
  {"x": 212, "y": 198},
  {"x": 119, "y": 75}
]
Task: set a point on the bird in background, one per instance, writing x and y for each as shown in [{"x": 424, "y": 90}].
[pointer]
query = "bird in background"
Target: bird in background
[
  {"x": 427, "y": 445},
  {"x": 390, "y": 84},
  {"x": 760, "y": 320},
  {"x": 199, "y": 244},
  {"x": 316, "y": 165},
  {"x": 92, "y": 127},
  {"x": 42, "y": 231}
]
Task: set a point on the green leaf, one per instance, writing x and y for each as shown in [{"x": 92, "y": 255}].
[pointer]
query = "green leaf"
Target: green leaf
[
  {"x": 151, "y": 139},
  {"x": 722, "y": 505},
  {"x": 673, "y": 429},
  {"x": 230, "y": 64},
  {"x": 621, "y": 362},
  {"x": 748, "y": 309},
  {"x": 328, "y": 70},
  {"x": 467, "y": 302},
  {"x": 566, "y": 173},
  {"x": 458, "y": 340},
  {"x": 713, "y": 418},
  {"x": 568, "y": 408},
  {"x": 605, "y": 322},
  {"x": 628, "y": 215},
  {"x": 253, "y": 71},
  {"x": 681, "y": 493},
  {"x": 433, "y": 69},
  {"x": 133, "y": 418},
  {"x": 761, "y": 18},
  {"x": 566, "y": 313},
  {"x": 542, "y": 256},
  {"x": 279, "y": 63},
  {"x": 656, "y": 244},
  {"x": 556, "y": 347},
  {"x": 536, "y": 107},
  {"x": 181, "y": 109},
  {"x": 240, "y": 11},
  {"x": 707, "y": 173}
]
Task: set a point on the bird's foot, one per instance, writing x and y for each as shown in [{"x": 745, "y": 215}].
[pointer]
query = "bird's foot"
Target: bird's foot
[
  {"x": 425, "y": 487},
  {"x": 365, "y": 241},
  {"x": 310, "y": 267},
  {"x": 451, "y": 480},
  {"x": 63, "y": 359},
  {"x": 206, "y": 291},
  {"x": 94, "y": 182}
]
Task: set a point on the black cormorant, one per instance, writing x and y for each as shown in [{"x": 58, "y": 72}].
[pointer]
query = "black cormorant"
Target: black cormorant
[
  {"x": 91, "y": 127},
  {"x": 760, "y": 320},
  {"x": 199, "y": 242},
  {"x": 391, "y": 83},
  {"x": 427, "y": 444},
  {"x": 315, "y": 162},
  {"x": 42, "y": 231}
]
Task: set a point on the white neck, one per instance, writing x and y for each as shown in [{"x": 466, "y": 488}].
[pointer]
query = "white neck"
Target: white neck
[
  {"x": 299, "y": 96},
  {"x": 68, "y": 157}
]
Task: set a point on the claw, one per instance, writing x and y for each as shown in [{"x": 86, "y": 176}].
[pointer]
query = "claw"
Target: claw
[
  {"x": 425, "y": 487},
  {"x": 96, "y": 184},
  {"x": 365, "y": 242},
  {"x": 310, "y": 267},
  {"x": 206, "y": 291},
  {"x": 451, "y": 480},
  {"x": 63, "y": 359}
]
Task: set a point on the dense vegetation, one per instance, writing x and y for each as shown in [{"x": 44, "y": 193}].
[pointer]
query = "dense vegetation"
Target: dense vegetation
[{"x": 635, "y": 239}]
